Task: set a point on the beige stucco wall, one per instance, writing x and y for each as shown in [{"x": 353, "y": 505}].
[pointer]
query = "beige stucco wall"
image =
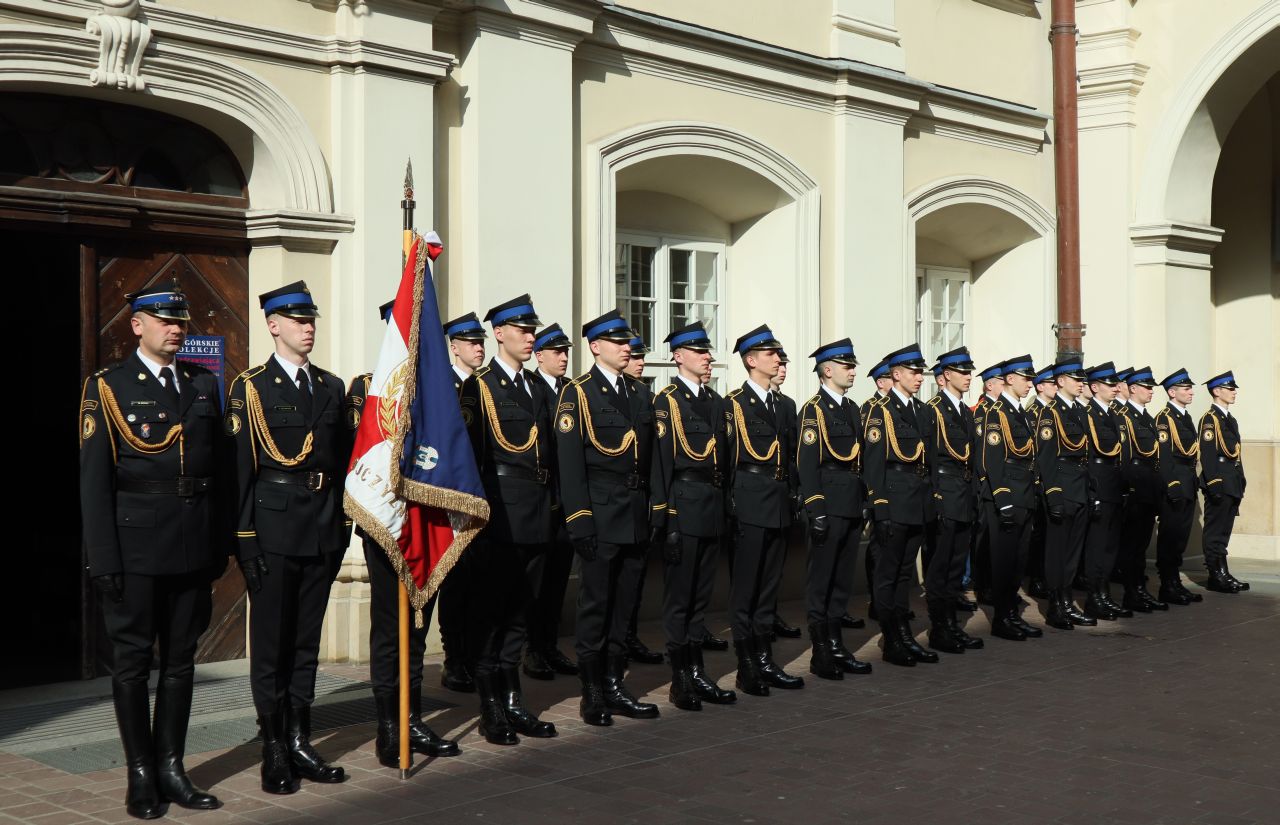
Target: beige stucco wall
[{"x": 802, "y": 25}]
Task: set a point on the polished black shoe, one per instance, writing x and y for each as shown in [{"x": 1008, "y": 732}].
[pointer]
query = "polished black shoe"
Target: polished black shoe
[
  {"x": 1152, "y": 601},
  {"x": 1190, "y": 594},
  {"x": 749, "y": 680},
  {"x": 913, "y": 647},
  {"x": 494, "y": 725},
  {"x": 455, "y": 676},
  {"x": 524, "y": 722},
  {"x": 769, "y": 670},
  {"x": 559, "y": 662},
  {"x": 422, "y": 739},
  {"x": 616, "y": 696},
  {"x": 785, "y": 631},
  {"x": 1097, "y": 606},
  {"x": 536, "y": 666},
  {"x": 1003, "y": 628},
  {"x": 707, "y": 690},
  {"x": 852, "y": 622},
  {"x": 1171, "y": 594},
  {"x": 957, "y": 630},
  {"x": 1073, "y": 613},
  {"x": 592, "y": 708},
  {"x": 306, "y": 762},
  {"x": 1229, "y": 576},
  {"x": 173, "y": 709},
  {"x": 1026, "y": 627},
  {"x": 966, "y": 604},
  {"x": 822, "y": 662},
  {"x": 1134, "y": 602},
  {"x": 844, "y": 657},
  {"x": 1217, "y": 584},
  {"x": 715, "y": 644},
  {"x": 133, "y": 716},
  {"x": 639, "y": 653},
  {"x": 683, "y": 693},
  {"x": 1056, "y": 615},
  {"x": 1115, "y": 607},
  {"x": 1037, "y": 589},
  {"x": 940, "y": 636},
  {"x": 894, "y": 651},
  {"x": 278, "y": 774}
]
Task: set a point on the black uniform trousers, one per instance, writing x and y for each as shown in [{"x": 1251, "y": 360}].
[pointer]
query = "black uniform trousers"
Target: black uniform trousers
[
  {"x": 1102, "y": 542},
  {"x": 1135, "y": 534},
  {"x": 944, "y": 574},
  {"x": 286, "y": 618},
  {"x": 895, "y": 570},
  {"x": 829, "y": 579},
  {"x": 687, "y": 590},
  {"x": 1171, "y": 540},
  {"x": 980, "y": 553},
  {"x": 869, "y": 565},
  {"x": 451, "y": 610},
  {"x": 543, "y": 615},
  {"x": 503, "y": 579},
  {"x": 606, "y": 588},
  {"x": 1007, "y": 549},
  {"x": 757, "y": 571},
  {"x": 1064, "y": 541},
  {"x": 172, "y": 609},
  {"x": 1219, "y": 519},
  {"x": 1035, "y": 548},
  {"x": 384, "y": 626}
]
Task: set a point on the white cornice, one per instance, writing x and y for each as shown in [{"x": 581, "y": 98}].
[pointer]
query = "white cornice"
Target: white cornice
[
  {"x": 866, "y": 28},
  {"x": 296, "y": 231},
  {"x": 1173, "y": 243},
  {"x": 1026, "y": 8}
]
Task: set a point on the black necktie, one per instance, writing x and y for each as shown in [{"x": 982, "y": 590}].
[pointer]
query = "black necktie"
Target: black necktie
[
  {"x": 559, "y": 385},
  {"x": 768, "y": 403},
  {"x": 622, "y": 388},
  {"x": 170, "y": 387},
  {"x": 304, "y": 387},
  {"x": 523, "y": 397}
]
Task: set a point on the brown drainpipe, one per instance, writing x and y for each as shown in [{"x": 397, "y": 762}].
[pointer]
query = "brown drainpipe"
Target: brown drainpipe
[{"x": 1066, "y": 167}]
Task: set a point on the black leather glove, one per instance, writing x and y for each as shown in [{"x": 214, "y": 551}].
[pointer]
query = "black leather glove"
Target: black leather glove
[
  {"x": 253, "y": 570},
  {"x": 1055, "y": 513},
  {"x": 656, "y": 535},
  {"x": 672, "y": 549},
  {"x": 818, "y": 530},
  {"x": 585, "y": 547},
  {"x": 110, "y": 586},
  {"x": 1007, "y": 521},
  {"x": 797, "y": 508},
  {"x": 1095, "y": 509}
]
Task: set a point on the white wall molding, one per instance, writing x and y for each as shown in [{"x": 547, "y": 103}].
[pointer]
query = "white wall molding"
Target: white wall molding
[
  {"x": 1185, "y": 245},
  {"x": 297, "y": 231}
]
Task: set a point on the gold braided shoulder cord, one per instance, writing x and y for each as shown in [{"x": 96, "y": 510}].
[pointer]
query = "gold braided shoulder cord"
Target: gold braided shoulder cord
[
  {"x": 262, "y": 432},
  {"x": 892, "y": 434},
  {"x": 1177, "y": 442},
  {"x": 744, "y": 437},
  {"x": 628, "y": 440},
  {"x": 1222, "y": 445},
  {"x": 116, "y": 417},
  {"x": 1093, "y": 431},
  {"x": 677, "y": 424},
  {"x": 1062, "y": 435},
  {"x": 1133, "y": 440},
  {"x": 826, "y": 439},
  {"x": 495, "y": 426},
  {"x": 946, "y": 442},
  {"x": 1021, "y": 452}
]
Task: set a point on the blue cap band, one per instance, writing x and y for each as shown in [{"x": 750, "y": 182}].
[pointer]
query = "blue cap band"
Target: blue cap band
[
  {"x": 542, "y": 340},
  {"x": 1069, "y": 366},
  {"x": 1043, "y": 375},
  {"x": 991, "y": 372},
  {"x": 1222, "y": 379},
  {"x": 285, "y": 300},
  {"x": 913, "y": 355},
  {"x": 1098, "y": 375},
  {"x": 755, "y": 339},
  {"x": 605, "y": 326},
  {"x": 879, "y": 371},
  {"x": 686, "y": 337},
  {"x": 1144, "y": 375},
  {"x": 958, "y": 358},
  {"x": 499, "y": 318},
  {"x": 832, "y": 352},
  {"x": 1018, "y": 365},
  {"x": 165, "y": 298},
  {"x": 464, "y": 326},
  {"x": 1177, "y": 378}
]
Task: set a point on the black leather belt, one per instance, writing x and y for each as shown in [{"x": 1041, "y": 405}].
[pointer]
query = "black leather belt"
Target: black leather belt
[
  {"x": 184, "y": 486},
  {"x": 918, "y": 469},
  {"x": 1153, "y": 463},
  {"x": 632, "y": 481},
  {"x": 777, "y": 473},
  {"x": 966, "y": 474},
  {"x": 1110, "y": 462},
  {"x": 1224, "y": 460},
  {"x": 1024, "y": 463},
  {"x": 313, "y": 481},
  {"x": 713, "y": 477},
  {"x": 1185, "y": 462},
  {"x": 843, "y": 466},
  {"x": 1073, "y": 459},
  {"x": 538, "y": 476}
]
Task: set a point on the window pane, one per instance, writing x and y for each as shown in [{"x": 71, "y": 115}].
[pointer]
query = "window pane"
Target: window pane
[
  {"x": 705, "y": 288},
  {"x": 680, "y": 263},
  {"x": 633, "y": 276},
  {"x": 639, "y": 313}
]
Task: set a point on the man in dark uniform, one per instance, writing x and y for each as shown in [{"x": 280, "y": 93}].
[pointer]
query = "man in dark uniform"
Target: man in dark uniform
[
  {"x": 1179, "y": 447},
  {"x": 979, "y": 551},
  {"x": 1222, "y": 480},
  {"x": 762, "y": 505},
  {"x": 506, "y": 413},
  {"x": 466, "y": 341},
  {"x": 291, "y": 449},
  {"x": 896, "y": 470},
  {"x": 787, "y": 404},
  {"x": 952, "y": 465},
  {"x": 605, "y": 442},
  {"x": 637, "y": 650},
  {"x": 689, "y": 510},
  {"x": 883, "y": 381},
  {"x": 384, "y": 628},
  {"x": 1142, "y": 477},
  {"x": 828, "y": 464},
  {"x": 150, "y": 466},
  {"x": 1062, "y": 459},
  {"x": 543, "y": 659},
  {"x": 1046, "y": 388},
  {"x": 1008, "y": 492},
  {"x": 1108, "y": 452}
]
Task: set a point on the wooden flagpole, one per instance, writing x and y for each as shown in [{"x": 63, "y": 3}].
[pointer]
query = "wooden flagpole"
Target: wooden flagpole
[{"x": 406, "y": 759}]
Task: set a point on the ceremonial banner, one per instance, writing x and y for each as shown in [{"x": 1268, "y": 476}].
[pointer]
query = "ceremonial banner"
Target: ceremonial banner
[{"x": 412, "y": 483}]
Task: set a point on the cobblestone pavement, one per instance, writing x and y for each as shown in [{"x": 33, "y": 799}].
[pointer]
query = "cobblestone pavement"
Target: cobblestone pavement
[{"x": 1172, "y": 718}]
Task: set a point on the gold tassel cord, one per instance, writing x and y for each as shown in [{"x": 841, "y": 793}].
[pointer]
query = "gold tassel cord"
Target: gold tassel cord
[
  {"x": 1093, "y": 431},
  {"x": 1133, "y": 440},
  {"x": 491, "y": 413},
  {"x": 117, "y": 417},
  {"x": 891, "y": 434},
  {"x": 1177, "y": 442},
  {"x": 963, "y": 458},
  {"x": 677, "y": 424},
  {"x": 1062, "y": 435},
  {"x": 826, "y": 440},
  {"x": 1021, "y": 452},
  {"x": 258, "y": 418},
  {"x": 628, "y": 440},
  {"x": 1222, "y": 445},
  {"x": 744, "y": 437}
]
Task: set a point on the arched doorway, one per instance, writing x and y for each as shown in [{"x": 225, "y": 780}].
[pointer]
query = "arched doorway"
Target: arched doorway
[{"x": 97, "y": 200}]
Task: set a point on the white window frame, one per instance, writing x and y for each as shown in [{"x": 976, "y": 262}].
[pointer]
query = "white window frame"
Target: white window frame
[
  {"x": 926, "y": 278},
  {"x": 658, "y": 367}
]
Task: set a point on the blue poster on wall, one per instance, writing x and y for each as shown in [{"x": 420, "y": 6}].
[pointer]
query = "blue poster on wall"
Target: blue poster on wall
[{"x": 209, "y": 351}]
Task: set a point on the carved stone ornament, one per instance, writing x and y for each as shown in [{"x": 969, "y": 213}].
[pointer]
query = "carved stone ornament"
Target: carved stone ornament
[{"x": 123, "y": 39}]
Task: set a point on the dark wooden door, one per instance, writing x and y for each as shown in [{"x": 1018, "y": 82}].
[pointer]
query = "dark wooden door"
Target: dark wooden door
[{"x": 215, "y": 277}]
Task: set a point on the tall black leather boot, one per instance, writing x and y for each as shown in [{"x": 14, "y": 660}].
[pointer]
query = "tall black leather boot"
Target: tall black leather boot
[
  {"x": 706, "y": 689},
  {"x": 1226, "y": 573},
  {"x": 278, "y": 775},
  {"x": 386, "y": 745},
  {"x": 1145, "y": 595},
  {"x": 940, "y": 635},
  {"x": 173, "y": 710},
  {"x": 1096, "y": 607},
  {"x": 750, "y": 680},
  {"x": 133, "y": 716},
  {"x": 1073, "y": 613},
  {"x": 1218, "y": 581},
  {"x": 844, "y": 657},
  {"x": 494, "y": 726},
  {"x": 1104, "y": 592},
  {"x": 1056, "y": 615},
  {"x": 1171, "y": 591},
  {"x": 683, "y": 694},
  {"x": 616, "y": 696},
  {"x": 908, "y": 637},
  {"x": 306, "y": 762},
  {"x": 1133, "y": 601},
  {"x": 422, "y": 739},
  {"x": 822, "y": 662},
  {"x": 895, "y": 652},
  {"x": 958, "y": 631},
  {"x": 769, "y": 670},
  {"x": 592, "y": 708},
  {"x": 521, "y": 719}
]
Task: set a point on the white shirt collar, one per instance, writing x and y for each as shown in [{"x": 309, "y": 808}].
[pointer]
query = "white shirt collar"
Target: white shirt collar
[
  {"x": 903, "y": 397},
  {"x": 1224, "y": 410},
  {"x": 291, "y": 369},
  {"x": 155, "y": 368},
  {"x": 1104, "y": 407},
  {"x": 505, "y": 368},
  {"x": 693, "y": 387},
  {"x": 1136, "y": 405},
  {"x": 839, "y": 399},
  {"x": 761, "y": 392},
  {"x": 1044, "y": 399},
  {"x": 1177, "y": 406},
  {"x": 955, "y": 400},
  {"x": 458, "y": 371},
  {"x": 551, "y": 382},
  {"x": 610, "y": 375},
  {"x": 1013, "y": 402}
]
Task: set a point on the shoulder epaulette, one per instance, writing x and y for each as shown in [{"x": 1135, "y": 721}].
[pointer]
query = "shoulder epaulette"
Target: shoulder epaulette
[
  {"x": 249, "y": 373},
  {"x": 665, "y": 391},
  {"x": 933, "y": 402},
  {"x": 582, "y": 379},
  {"x": 480, "y": 371},
  {"x": 108, "y": 368},
  {"x": 364, "y": 376},
  {"x": 733, "y": 393}
]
